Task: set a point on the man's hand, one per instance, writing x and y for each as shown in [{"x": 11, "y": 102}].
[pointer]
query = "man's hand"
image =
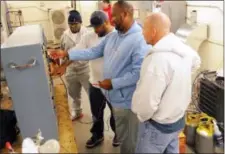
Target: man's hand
[
  {"x": 106, "y": 84},
  {"x": 61, "y": 70},
  {"x": 53, "y": 69},
  {"x": 57, "y": 54}
]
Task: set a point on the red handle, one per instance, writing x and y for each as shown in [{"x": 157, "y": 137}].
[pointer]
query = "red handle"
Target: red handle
[{"x": 8, "y": 146}]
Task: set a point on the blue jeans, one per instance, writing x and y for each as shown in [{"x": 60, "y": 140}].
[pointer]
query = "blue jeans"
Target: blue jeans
[{"x": 151, "y": 140}]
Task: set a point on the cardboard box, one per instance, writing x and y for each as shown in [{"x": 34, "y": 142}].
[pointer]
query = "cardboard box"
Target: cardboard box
[{"x": 182, "y": 143}]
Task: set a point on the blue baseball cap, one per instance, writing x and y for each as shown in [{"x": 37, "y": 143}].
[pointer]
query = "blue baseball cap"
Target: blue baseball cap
[{"x": 98, "y": 18}]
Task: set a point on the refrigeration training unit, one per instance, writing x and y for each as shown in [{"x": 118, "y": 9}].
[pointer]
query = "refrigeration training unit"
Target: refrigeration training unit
[{"x": 25, "y": 66}]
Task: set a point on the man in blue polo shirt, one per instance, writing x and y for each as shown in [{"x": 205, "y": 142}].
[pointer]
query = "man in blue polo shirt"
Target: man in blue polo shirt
[{"x": 123, "y": 52}]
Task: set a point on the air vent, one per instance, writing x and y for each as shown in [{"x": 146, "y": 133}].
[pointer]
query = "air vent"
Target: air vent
[
  {"x": 58, "y": 17},
  {"x": 58, "y": 23},
  {"x": 58, "y": 33}
]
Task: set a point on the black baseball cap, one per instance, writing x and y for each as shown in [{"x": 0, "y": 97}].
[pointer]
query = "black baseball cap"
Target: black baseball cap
[
  {"x": 98, "y": 18},
  {"x": 74, "y": 17}
]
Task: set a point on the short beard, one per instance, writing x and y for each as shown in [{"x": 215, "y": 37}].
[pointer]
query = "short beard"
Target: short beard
[
  {"x": 119, "y": 28},
  {"x": 102, "y": 34}
]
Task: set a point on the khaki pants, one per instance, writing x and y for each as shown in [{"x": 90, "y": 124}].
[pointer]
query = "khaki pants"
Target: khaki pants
[
  {"x": 126, "y": 129},
  {"x": 74, "y": 84}
]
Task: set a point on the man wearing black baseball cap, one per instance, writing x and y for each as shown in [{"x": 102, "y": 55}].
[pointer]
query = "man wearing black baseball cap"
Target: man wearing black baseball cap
[{"x": 77, "y": 72}]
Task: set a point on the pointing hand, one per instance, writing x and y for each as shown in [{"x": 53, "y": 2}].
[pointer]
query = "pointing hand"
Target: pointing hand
[{"x": 57, "y": 54}]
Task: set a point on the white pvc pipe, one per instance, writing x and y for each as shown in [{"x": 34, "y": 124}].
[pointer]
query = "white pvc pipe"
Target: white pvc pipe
[{"x": 207, "y": 6}]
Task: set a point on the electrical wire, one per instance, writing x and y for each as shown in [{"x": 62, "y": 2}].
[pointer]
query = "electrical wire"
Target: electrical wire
[
  {"x": 108, "y": 101},
  {"x": 89, "y": 122},
  {"x": 195, "y": 97}
]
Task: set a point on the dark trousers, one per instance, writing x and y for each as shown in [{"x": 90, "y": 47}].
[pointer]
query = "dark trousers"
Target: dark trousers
[{"x": 98, "y": 103}]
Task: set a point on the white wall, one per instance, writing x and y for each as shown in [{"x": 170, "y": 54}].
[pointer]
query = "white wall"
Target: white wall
[
  {"x": 142, "y": 8},
  {"x": 86, "y": 8},
  {"x": 3, "y": 17},
  {"x": 36, "y": 12},
  {"x": 211, "y": 51}
]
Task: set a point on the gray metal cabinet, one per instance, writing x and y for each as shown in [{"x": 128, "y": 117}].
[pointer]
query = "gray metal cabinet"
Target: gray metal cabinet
[{"x": 25, "y": 66}]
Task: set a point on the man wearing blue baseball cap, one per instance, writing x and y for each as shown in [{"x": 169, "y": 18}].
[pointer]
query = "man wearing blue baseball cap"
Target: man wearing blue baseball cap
[
  {"x": 102, "y": 27},
  {"x": 77, "y": 73}
]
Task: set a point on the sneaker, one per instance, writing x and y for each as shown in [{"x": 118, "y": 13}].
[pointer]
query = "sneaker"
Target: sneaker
[
  {"x": 116, "y": 143},
  {"x": 77, "y": 117},
  {"x": 94, "y": 141}
]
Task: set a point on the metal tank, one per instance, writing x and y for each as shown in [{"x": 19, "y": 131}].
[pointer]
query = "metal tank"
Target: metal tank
[
  {"x": 192, "y": 122},
  {"x": 204, "y": 142}
]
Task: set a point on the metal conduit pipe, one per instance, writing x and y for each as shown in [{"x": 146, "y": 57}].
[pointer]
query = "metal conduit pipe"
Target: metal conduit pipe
[
  {"x": 28, "y": 7},
  {"x": 206, "y": 6},
  {"x": 73, "y": 4}
]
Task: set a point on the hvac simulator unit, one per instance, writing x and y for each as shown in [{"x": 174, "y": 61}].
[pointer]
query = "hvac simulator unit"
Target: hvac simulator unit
[{"x": 24, "y": 61}]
